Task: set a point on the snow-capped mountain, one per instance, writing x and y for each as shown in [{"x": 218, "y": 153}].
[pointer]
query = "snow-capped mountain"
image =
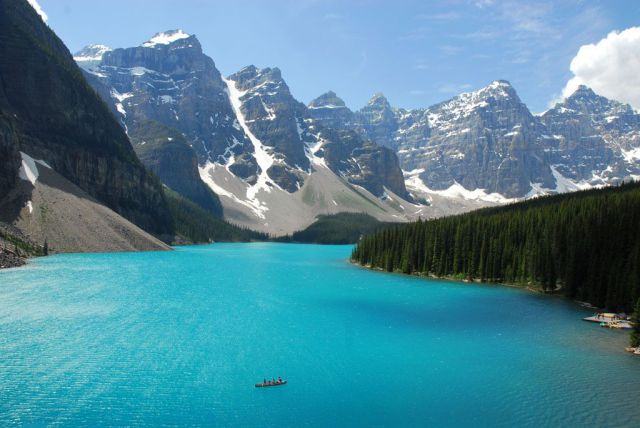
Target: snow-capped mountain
[
  {"x": 273, "y": 165},
  {"x": 169, "y": 80},
  {"x": 488, "y": 147},
  {"x": 272, "y": 119},
  {"x": 276, "y": 163},
  {"x": 484, "y": 146},
  {"x": 485, "y": 140},
  {"x": 91, "y": 55},
  {"x": 595, "y": 140}
]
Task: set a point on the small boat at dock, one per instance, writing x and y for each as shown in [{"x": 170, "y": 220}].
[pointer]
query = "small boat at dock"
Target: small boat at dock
[{"x": 610, "y": 320}]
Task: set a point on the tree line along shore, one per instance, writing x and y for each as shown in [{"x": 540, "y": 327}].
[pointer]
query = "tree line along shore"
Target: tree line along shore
[{"x": 584, "y": 245}]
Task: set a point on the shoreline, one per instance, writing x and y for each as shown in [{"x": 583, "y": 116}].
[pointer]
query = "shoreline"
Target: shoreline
[
  {"x": 584, "y": 305},
  {"x": 532, "y": 289}
]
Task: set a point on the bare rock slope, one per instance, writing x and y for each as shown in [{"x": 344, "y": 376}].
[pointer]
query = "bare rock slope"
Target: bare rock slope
[{"x": 48, "y": 208}]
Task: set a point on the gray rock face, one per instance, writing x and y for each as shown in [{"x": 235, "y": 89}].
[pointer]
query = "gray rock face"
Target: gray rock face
[
  {"x": 482, "y": 140},
  {"x": 48, "y": 111},
  {"x": 349, "y": 153},
  {"x": 378, "y": 121},
  {"x": 330, "y": 111},
  {"x": 594, "y": 139},
  {"x": 169, "y": 80},
  {"x": 489, "y": 140},
  {"x": 486, "y": 140},
  {"x": 165, "y": 152},
  {"x": 362, "y": 162},
  {"x": 275, "y": 119},
  {"x": 248, "y": 123}
]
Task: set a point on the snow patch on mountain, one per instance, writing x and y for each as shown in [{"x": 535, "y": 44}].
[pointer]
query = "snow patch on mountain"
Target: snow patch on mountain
[
  {"x": 455, "y": 191},
  {"x": 631, "y": 156},
  {"x": 119, "y": 100},
  {"x": 166, "y": 38},
  {"x": 34, "y": 4},
  {"x": 566, "y": 185},
  {"x": 28, "y": 168},
  {"x": 263, "y": 157},
  {"x": 91, "y": 53},
  {"x": 206, "y": 174}
]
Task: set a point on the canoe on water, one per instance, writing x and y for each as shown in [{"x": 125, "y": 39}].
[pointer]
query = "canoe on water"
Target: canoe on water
[{"x": 265, "y": 385}]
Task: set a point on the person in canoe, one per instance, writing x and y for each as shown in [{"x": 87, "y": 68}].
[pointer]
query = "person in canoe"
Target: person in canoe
[{"x": 272, "y": 382}]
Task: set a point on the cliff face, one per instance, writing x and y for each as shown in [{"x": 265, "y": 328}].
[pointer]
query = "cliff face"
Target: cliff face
[
  {"x": 362, "y": 162},
  {"x": 486, "y": 140},
  {"x": 55, "y": 116},
  {"x": 594, "y": 140},
  {"x": 9, "y": 156},
  {"x": 166, "y": 153},
  {"x": 169, "y": 80},
  {"x": 348, "y": 151}
]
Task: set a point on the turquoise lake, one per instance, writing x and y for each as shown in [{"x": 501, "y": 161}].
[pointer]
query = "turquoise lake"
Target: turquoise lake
[{"x": 180, "y": 338}]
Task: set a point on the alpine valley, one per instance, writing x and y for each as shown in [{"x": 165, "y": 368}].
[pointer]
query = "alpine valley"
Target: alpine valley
[
  {"x": 242, "y": 258},
  {"x": 176, "y": 152},
  {"x": 276, "y": 164}
]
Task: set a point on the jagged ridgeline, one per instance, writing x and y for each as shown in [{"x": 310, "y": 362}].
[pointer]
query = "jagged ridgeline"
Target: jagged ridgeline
[{"x": 585, "y": 245}]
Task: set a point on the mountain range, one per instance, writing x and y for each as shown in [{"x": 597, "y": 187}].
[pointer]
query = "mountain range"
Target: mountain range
[
  {"x": 152, "y": 143},
  {"x": 276, "y": 164}
]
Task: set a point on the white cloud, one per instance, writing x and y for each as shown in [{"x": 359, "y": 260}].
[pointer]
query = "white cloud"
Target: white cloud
[
  {"x": 36, "y": 6},
  {"x": 483, "y": 3},
  {"x": 611, "y": 67}
]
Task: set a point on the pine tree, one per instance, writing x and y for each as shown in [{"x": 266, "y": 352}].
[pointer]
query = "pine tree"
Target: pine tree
[{"x": 635, "y": 333}]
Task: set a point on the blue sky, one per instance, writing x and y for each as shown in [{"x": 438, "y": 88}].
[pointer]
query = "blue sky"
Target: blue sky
[{"x": 416, "y": 52}]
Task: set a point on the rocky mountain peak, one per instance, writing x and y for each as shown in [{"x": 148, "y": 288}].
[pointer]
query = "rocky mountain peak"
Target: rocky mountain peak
[
  {"x": 166, "y": 38},
  {"x": 585, "y": 101},
  {"x": 499, "y": 89},
  {"x": 328, "y": 99},
  {"x": 379, "y": 101},
  {"x": 91, "y": 53},
  {"x": 583, "y": 91},
  {"x": 498, "y": 92},
  {"x": 585, "y": 96},
  {"x": 249, "y": 70},
  {"x": 251, "y": 76}
]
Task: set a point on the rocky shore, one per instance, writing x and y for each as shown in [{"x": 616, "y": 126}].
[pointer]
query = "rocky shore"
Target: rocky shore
[
  {"x": 9, "y": 259},
  {"x": 15, "y": 247}
]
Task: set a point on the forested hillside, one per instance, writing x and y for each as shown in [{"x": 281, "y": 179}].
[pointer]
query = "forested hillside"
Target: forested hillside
[
  {"x": 194, "y": 224},
  {"x": 585, "y": 245},
  {"x": 341, "y": 228}
]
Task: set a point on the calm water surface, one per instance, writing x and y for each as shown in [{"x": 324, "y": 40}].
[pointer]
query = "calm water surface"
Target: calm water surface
[{"x": 181, "y": 337}]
